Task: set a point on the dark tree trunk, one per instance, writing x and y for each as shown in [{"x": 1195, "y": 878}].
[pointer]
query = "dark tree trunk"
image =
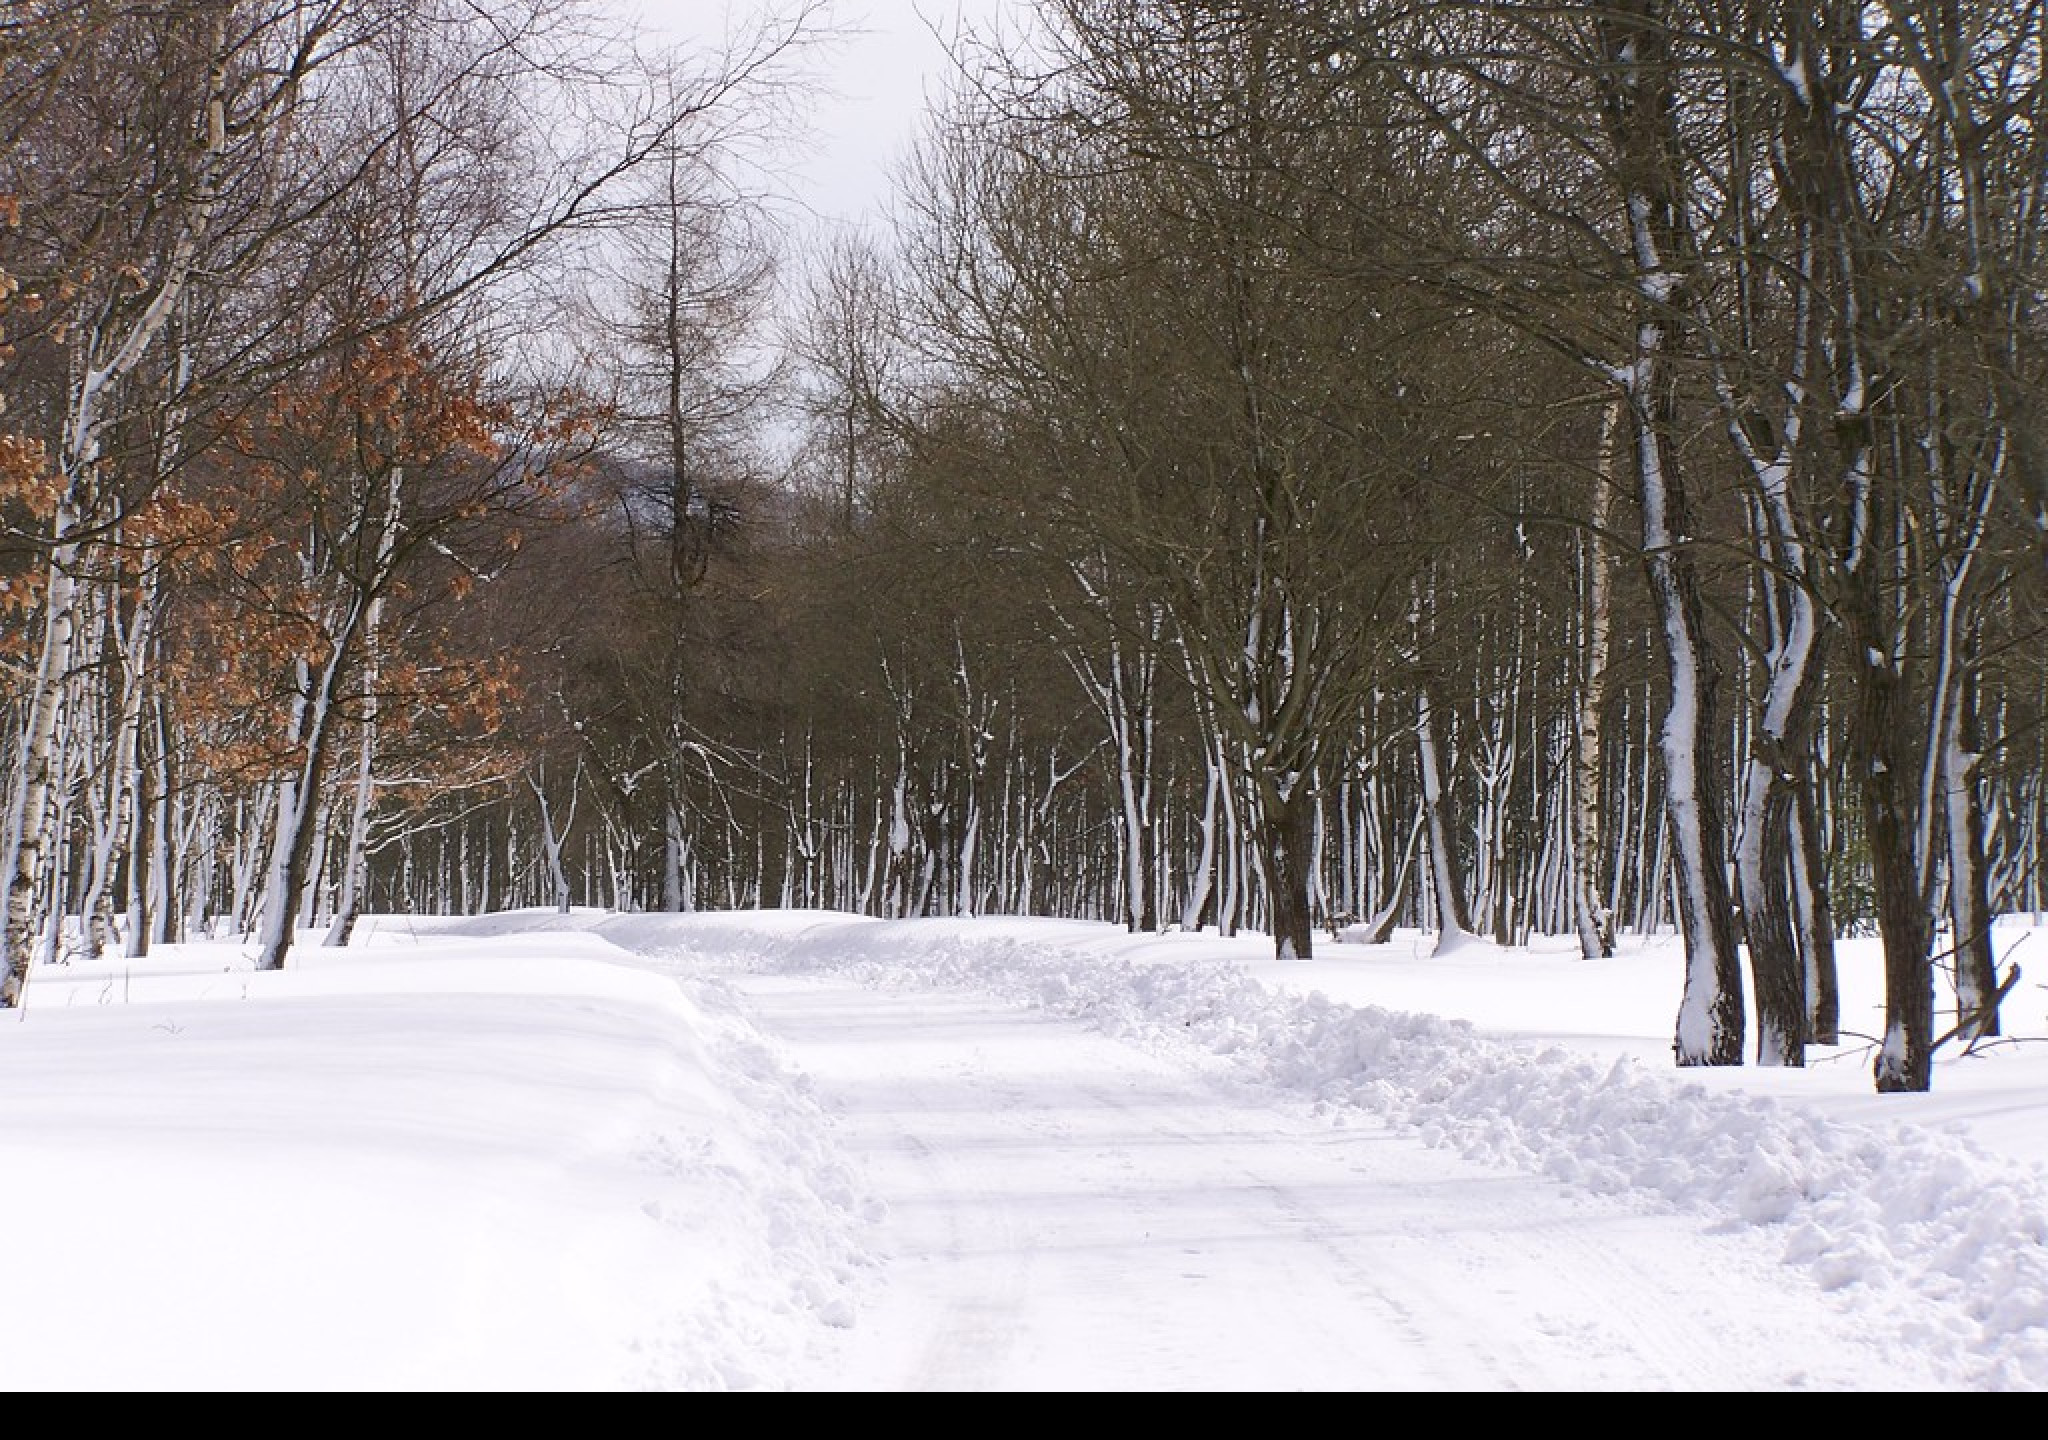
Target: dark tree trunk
[
  {"x": 1817, "y": 924},
  {"x": 1969, "y": 882},
  {"x": 1638, "y": 101},
  {"x": 1769, "y": 924},
  {"x": 1289, "y": 835},
  {"x": 1880, "y": 760}
]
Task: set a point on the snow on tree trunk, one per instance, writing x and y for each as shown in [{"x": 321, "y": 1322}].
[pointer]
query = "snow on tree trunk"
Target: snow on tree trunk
[
  {"x": 673, "y": 846},
  {"x": 553, "y": 836},
  {"x": 1969, "y": 898},
  {"x": 354, "y": 862},
  {"x": 291, "y": 830},
  {"x": 296, "y": 831},
  {"x": 1452, "y": 927},
  {"x": 122, "y": 783},
  {"x": 363, "y": 794},
  {"x": 1638, "y": 108},
  {"x": 1201, "y": 892},
  {"x": 1710, "y": 1018},
  {"x": 28, "y": 824},
  {"x": 1379, "y": 925},
  {"x": 107, "y": 357},
  {"x": 1776, "y": 767}
]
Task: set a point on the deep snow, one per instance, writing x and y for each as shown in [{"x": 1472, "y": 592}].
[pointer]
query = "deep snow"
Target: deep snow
[{"x": 803, "y": 1151}]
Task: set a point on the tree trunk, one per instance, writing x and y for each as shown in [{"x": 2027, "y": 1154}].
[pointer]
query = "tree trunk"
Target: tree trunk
[
  {"x": 1711, "y": 1014},
  {"x": 673, "y": 845},
  {"x": 1765, "y": 856},
  {"x": 109, "y": 358},
  {"x": 1881, "y": 760},
  {"x": 355, "y": 859},
  {"x": 1453, "y": 928},
  {"x": 1638, "y": 105},
  {"x": 29, "y": 821},
  {"x": 1816, "y": 922},
  {"x": 1593, "y": 920},
  {"x": 1287, "y": 823},
  {"x": 1905, "y": 1060},
  {"x": 1379, "y": 926},
  {"x": 297, "y": 830},
  {"x": 1969, "y": 897}
]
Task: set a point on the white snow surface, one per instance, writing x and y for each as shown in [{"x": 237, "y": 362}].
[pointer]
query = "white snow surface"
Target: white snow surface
[{"x": 804, "y": 1151}]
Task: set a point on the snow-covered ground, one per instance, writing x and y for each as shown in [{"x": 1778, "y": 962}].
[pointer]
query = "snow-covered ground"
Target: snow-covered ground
[{"x": 793, "y": 1150}]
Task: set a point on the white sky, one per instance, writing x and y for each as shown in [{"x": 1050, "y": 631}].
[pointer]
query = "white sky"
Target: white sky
[
  {"x": 807, "y": 1152},
  {"x": 890, "y": 58}
]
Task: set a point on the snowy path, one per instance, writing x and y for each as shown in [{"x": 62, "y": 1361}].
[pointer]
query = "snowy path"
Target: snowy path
[{"x": 1069, "y": 1212}]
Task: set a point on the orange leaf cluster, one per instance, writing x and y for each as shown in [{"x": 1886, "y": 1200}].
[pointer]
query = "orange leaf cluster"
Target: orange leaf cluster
[
  {"x": 20, "y": 597},
  {"x": 222, "y": 665},
  {"x": 26, "y": 474},
  {"x": 197, "y": 533},
  {"x": 387, "y": 404}
]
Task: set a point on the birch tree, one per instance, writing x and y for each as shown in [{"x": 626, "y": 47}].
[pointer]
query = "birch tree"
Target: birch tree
[
  {"x": 492, "y": 208},
  {"x": 225, "y": 78},
  {"x": 1592, "y": 917}
]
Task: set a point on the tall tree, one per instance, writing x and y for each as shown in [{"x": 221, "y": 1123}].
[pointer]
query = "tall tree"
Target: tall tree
[
  {"x": 680, "y": 322},
  {"x": 219, "y": 82},
  {"x": 1130, "y": 263}
]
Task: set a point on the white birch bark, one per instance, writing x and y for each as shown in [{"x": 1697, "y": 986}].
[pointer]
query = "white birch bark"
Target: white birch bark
[
  {"x": 363, "y": 791},
  {"x": 1594, "y": 919},
  {"x": 108, "y": 357},
  {"x": 29, "y": 824},
  {"x": 554, "y": 835},
  {"x": 1450, "y": 905}
]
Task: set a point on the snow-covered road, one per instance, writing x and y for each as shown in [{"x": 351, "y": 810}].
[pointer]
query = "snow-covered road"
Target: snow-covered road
[{"x": 1067, "y": 1211}]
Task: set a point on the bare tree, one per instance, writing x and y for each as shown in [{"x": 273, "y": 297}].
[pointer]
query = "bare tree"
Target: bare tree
[
  {"x": 223, "y": 80},
  {"x": 1132, "y": 267}
]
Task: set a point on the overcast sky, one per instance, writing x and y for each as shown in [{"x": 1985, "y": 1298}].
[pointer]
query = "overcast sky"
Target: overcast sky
[{"x": 891, "y": 58}]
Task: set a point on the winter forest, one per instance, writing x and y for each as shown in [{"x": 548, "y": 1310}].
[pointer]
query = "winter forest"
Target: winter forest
[{"x": 1286, "y": 466}]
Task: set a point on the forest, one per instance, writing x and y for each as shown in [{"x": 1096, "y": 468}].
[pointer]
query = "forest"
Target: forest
[{"x": 1291, "y": 466}]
